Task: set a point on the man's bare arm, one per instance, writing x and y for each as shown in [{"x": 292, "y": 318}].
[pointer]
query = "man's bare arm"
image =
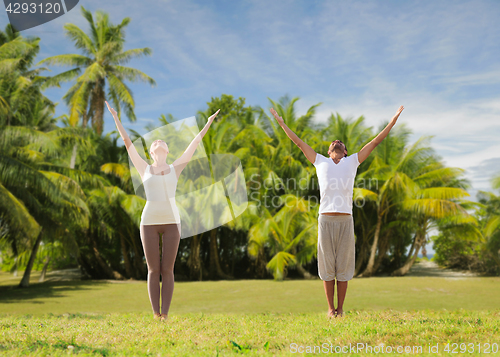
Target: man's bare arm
[
  {"x": 306, "y": 149},
  {"x": 368, "y": 148}
]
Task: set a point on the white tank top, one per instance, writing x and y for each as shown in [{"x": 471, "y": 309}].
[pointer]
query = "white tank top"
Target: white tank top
[
  {"x": 159, "y": 187},
  {"x": 336, "y": 182},
  {"x": 160, "y": 190}
]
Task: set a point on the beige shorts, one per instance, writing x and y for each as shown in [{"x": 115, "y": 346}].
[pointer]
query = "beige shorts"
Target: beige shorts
[{"x": 336, "y": 247}]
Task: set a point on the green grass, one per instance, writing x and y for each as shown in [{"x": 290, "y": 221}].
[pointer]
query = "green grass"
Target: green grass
[
  {"x": 255, "y": 317},
  {"x": 254, "y": 296},
  {"x": 136, "y": 334}
]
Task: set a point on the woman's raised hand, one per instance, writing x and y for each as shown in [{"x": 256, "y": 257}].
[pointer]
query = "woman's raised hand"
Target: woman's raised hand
[
  {"x": 278, "y": 118},
  {"x": 113, "y": 112},
  {"x": 211, "y": 119},
  {"x": 396, "y": 116}
]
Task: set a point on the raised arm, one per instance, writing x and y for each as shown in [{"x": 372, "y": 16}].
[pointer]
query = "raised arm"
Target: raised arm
[
  {"x": 306, "y": 149},
  {"x": 139, "y": 163},
  {"x": 183, "y": 160},
  {"x": 368, "y": 148}
]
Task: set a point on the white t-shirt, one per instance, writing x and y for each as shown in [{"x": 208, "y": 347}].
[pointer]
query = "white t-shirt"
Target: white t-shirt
[{"x": 336, "y": 182}]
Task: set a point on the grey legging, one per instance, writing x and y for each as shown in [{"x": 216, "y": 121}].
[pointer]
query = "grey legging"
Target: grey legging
[{"x": 150, "y": 237}]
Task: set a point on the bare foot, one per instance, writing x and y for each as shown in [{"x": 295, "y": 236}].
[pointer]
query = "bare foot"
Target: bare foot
[
  {"x": 340, "y": 312},
  {"x": 164, "y": 317},
  {"x": 331, "y": 313},
  {"x": 157, "y": 316}
]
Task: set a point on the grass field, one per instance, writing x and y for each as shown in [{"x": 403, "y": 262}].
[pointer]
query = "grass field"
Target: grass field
[
  {"x": 255, "y": 317},
  {"x": 135, "y": 334},
  {"x": 253, "y": 296}
]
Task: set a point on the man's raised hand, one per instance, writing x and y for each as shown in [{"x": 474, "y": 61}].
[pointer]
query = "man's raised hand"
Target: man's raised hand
[
  {"x": 278, "y": 118},
  {"x": 396, "y": 116}
]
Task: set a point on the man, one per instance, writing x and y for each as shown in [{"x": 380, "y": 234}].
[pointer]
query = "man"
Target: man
[{"x": 336, "y": 242}]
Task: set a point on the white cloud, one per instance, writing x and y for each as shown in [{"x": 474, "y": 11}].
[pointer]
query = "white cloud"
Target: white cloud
[
  {"x": 439, "y": 59},
  {"x": 484, "y": 78},
  {"x": 465, "y": 135}
]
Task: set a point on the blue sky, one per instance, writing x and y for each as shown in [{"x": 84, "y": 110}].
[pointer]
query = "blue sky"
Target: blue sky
[{"x": 438, "y": 59}]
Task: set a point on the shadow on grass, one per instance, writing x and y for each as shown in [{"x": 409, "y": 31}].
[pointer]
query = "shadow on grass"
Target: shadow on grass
[{"x": 13, "y": 294}]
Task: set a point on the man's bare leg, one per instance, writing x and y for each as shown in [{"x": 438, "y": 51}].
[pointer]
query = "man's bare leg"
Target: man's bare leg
[
  {"x": 330, "y": 291},
  {"x": 341, "y": 291}
]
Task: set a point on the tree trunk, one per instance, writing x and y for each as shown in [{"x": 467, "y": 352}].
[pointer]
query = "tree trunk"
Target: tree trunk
[
  {"x": 87, "y": 268},
  {"x": 85, "y": 119},
  {"x": 305, "y": 274},
  {"x": 98, "y": 110},
  {"x": 15, "y": 266},
  {"x": 410, "y": 253},
  {"x": 371, "y": 262},
  {"x": 382, "y": 251},
  {"x": 140, "y": 267},
  {"x": 495, "y": 257},
  {"x": 126, "y": 258},
  {"x": 16, "y": 258},
  {"x": 44, "y": 270},
  {"x": 73, "y": 157},
  {"x": 215, "y": 269},
  {"x": 398, "y": 252},
  {"x": 360, "y": 259},
  {"x": 233, "y": 256},
  {"x": 411, "y": 259},
  {"x": 25, "y": 281},
  {"x": 260, "y": 264},
  {"x": 194, "y": 261},
  {"x": 102, "y": 263}
]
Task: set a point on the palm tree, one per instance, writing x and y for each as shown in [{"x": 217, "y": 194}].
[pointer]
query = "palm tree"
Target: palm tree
[
  {"x": 412, "y": 183},
  {"x": 286, "y": 155},
  {"x": 255, "y": 147},
  {"x": 53, "y": 219},
  {"x": 354, "y": 134},
  {"x": 381, "y": 168},
  {"x": 20, "y": 84},
  {"x": 113, "y": 232},
  {"x": 29, "y": 141},
  {"x": 225, "y": 137},
  {"x": 34, "y": 202},
  {"x": 490, "y": 232},
  {"x": 283, "y": 230},
  {"x": 290, "y": 235},
  {"x": 102, "y": 62}
]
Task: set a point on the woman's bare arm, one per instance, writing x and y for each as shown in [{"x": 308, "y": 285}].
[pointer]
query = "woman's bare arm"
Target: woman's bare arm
[
  {"x": 139, "y": 163},
  {"x": 306, "y": 149},
  {"x": 183, "y": 160}
]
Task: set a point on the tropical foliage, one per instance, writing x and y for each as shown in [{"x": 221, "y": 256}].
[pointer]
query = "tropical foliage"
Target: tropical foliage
[{"x": 67, "y": 199}]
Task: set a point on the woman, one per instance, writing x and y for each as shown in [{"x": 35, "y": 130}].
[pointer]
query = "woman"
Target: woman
[{"x": 160, "y": 214}]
